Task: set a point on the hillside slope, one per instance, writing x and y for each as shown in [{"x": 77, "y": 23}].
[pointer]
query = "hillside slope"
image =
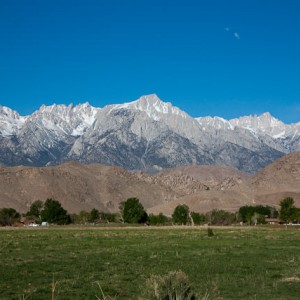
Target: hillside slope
[{"x": 203, "y": 188}]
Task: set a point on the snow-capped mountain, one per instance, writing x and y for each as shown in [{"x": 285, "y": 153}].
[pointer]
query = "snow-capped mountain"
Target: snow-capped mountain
[
  {"x": 152, "y": 106},
  {"x": 263, "y": 124},
  {"x": 10, "y": 121},
  {"x": 144, "y": 134},
  {"x": 68, "y": 120}
]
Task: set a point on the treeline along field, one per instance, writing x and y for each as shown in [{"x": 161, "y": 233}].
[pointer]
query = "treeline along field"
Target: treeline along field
[{"x": 236, "y": 263}]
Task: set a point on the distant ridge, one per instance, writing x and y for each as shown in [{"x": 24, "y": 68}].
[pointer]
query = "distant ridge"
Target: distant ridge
[{"x": 146, "y": 134}]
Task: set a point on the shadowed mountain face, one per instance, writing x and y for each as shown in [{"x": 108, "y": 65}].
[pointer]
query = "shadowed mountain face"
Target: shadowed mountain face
[
  {"x": 147, "y": 134},
  {"x": 203, "y": 188}
]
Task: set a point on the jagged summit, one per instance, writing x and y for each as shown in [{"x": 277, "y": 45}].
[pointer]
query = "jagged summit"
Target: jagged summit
[
  {"x": 145, "y": 134},
  {"x": 265, "y": 123},
  {"x": 259, "y": 124},
  {"x": 63, "y": 107},
  {"x": 153, "y": 106},
  {"x": 10, "y": 121},
  {"x": 214, "y": 122},
  {"x": 263, "y": 120},
  {"x": 73, "y": 120}
]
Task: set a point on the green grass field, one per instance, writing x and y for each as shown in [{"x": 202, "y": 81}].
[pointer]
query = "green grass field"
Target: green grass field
[{"x": 236, "y": 263}]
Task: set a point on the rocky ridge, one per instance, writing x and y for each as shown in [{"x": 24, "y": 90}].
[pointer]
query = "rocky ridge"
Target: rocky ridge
[
  {"x": 146, "y": 134},
  {"x": 203, "y": 188}
]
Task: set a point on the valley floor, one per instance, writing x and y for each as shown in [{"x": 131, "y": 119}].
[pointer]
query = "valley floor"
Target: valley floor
[{"x": 235, "y": 263}]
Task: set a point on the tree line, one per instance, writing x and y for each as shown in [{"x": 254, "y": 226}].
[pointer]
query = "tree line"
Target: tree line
[{"x": 133, "y": 212}]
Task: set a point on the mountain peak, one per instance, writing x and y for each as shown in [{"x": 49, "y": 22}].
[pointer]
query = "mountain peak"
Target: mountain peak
[
  {"x": 263, "y": 120},
  {"x": 153, "y": 106},
  {"x": 10, "y": 121},
  {"x": 151, "y": 98},
  {"x": 8, "y": 112},
  {"x": 264, "y": 123}
]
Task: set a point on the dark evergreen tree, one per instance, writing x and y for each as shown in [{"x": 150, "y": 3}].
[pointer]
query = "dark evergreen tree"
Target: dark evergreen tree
[
  {"x": 247, "y": 213},
  {"x": 35, "y": 209},
  {"x": 133, "y": 211},
  {"x": 8, "y": 216},
  {"x": 287, "y": 210},
  {"x": 94, "y": 215},
  {"x": 54, "y": 213}
]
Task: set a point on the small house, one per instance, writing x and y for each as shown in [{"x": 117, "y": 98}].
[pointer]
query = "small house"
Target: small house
[{"x": 272, "y": 221}]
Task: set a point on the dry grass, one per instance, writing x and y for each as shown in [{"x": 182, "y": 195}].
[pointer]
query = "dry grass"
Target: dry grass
[
  {"x": 173, "y": 286},
  {"x": 53, "y": 288},
  {"x": 290, "y": 279}
]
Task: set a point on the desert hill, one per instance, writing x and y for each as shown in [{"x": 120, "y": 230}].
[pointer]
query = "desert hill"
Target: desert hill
[
  {"x": 203, "y": 188},
  {"x": 78, "y": 187},
  {"x": 278, "y": 180}
]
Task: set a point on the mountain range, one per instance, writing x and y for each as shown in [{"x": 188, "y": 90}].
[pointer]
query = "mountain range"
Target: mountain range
[
  {"x": 147, "y": 134},
  {"x": 203, "y": 188}
]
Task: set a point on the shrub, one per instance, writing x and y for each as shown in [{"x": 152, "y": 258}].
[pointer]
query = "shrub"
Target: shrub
[
  {"x": 198, "y": 218},
  {"x": 8, "y": 216},
  {"x": 94, "y": 215},
  {"x": 221, "y": 217},
  {"x": 210, "y": 232},
  {"x": 108, "y": 217},
  {"x": 160, "y": 219},
  {"x": 173, "y": 286}
]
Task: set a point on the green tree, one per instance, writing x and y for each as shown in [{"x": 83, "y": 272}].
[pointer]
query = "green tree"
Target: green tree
[
  {"x": 198, "y": 218},
  {"x": 246, "y": 213},
  {"x": 133, "y": 211},
  {"x": 221, "y": 217},
  {"x": 181, "y": 214},
  {"x": 160, "y": 219},
  {"x": 263, "y": 210},
  {"x": 8, "y": 216},
  {"x": 94, "y": 215},
  {"x": 249, "y": 216},
  {"x": 81, "y": 218},
  {"x": 258, "y": 212},
  {"x": 296, "y": 215},
  {"x": 54, "y": 213},
  {"x": 287, "y": 209},
  {"x": 109, "y": 217},
  {"x": 35, "y": 209},
  {"x": 274, "y": 213}
]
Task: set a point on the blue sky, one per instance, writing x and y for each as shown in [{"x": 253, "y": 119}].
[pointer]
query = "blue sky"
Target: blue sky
[{"x": 208, "y": 57}]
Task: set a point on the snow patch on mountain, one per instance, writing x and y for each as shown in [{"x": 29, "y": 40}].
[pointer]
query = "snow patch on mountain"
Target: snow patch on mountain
[
  {"x": 142, "y": 134},
  {"x": 208, "y": 123},
  {"x": 10, "y": 121},
  {"x": 71, "y": 120},
  {"x": 261, "y": 125},
  {"x": 152, "y": 106}
]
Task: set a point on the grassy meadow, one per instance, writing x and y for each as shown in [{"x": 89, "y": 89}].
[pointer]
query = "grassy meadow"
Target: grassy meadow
[{"x": 236, "y": 263}]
